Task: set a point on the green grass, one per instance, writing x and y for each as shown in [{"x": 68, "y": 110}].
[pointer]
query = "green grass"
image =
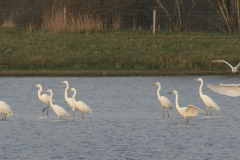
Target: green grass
[{"x": 137, "y": 50}]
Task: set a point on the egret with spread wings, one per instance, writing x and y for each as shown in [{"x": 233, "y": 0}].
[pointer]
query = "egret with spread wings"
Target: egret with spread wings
[
  {"x": 189, "y": 111},
  {"x": 234, "y": 69},
  {"x": 232, "y": 90}
]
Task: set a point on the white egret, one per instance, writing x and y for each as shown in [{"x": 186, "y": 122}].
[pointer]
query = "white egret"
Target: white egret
[
  {"x": 61, "y": 112},
  {"x": 165, "y": 102},
  {"x": 189, "y": 111},
  {"x": 5, "y": 109},
  {"x": 232, "y": 90},
  {"x": 69, "y": 100},
  {"x": 81, "y": 106},
  {"x": 207, "y": 100},
  {"x": 44, "y": 97},
  {"x": 234, "y": 69}
]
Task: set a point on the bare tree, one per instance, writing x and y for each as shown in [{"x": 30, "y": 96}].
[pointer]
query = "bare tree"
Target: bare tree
[
  {"x": 223, "y": 8},
  {"x": 229, "y": 10},
  {"x": 236, "y": 11},
  {"x": 179, "y": 17}
]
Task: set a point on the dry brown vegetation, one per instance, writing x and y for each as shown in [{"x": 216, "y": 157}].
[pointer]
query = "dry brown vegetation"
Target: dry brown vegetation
[
  {"x": 58, "y": 20},
  {"x": 9, "y": 21}
]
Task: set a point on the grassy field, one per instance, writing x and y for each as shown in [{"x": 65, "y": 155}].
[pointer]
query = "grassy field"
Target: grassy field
[{"x": 27, "y": 49}]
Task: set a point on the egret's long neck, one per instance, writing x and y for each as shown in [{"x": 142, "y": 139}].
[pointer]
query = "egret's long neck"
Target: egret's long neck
[
  {"x": 74, "y": 95},
  {"x": 39, "y": 92},
  {"x": 158, "y": 91},
  {"x": 200, "y": 88},
  {"x": 176, "y": 101},
  {"x": 66, "y": 95},
  {"x": 50, "y": 98}
]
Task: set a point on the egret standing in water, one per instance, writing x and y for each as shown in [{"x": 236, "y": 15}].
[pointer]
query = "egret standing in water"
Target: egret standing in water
[
  {"x": 81, "y": 106},
  {"x": 5, "y": 109},
  {"x": 69, "y": 100},
  {"x": 207, "y": 100},
  {"x": 189, "y": 111},
  {"x": 165, "y": 102},
  {"x": 61, "y": 112},
  {"x": 234, "y": 69},
  {"x": 44, "y": 97}
]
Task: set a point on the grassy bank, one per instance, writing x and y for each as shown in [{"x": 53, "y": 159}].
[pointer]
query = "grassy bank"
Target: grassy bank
[{"x": 28, "y": 49}]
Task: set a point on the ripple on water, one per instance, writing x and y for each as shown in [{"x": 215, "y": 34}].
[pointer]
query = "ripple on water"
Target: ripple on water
[{"x": 127, "y": 122}]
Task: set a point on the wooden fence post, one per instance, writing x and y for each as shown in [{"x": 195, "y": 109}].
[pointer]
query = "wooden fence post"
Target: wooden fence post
[
  {"x": 154, "y": 21},
  {"x": 65, "y": 17}
]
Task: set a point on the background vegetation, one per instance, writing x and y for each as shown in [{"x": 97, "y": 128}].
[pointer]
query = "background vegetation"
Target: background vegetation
[
  {"x": 22, "y": 48},
  {"x": 94, "y": 35},
  {"x": 172, "y": 15}
]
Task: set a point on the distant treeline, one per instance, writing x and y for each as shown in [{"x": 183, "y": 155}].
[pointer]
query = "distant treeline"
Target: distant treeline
[{"x": 172, "y": 15}]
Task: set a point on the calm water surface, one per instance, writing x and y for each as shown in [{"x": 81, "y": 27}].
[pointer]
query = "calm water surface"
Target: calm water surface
[{"x": 127, "y": 121}]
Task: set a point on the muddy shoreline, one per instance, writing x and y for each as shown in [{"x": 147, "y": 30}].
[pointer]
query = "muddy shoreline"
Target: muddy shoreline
[{"x": 96, "y": 73}]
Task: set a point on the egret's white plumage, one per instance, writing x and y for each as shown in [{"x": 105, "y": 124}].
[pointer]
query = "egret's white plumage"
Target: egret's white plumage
[
  {"x": 189, "y": 111},
  {"x": 232, "y": 90},
  {"x": 165, "y": 102},
  {"x": 69, "y": 100},
  {"x": 61, "y": 112},
  {"x": 207, "y": 100},
  {"x": 234, "y": 69},
  {"x": 44, "y": 97},
  {"x": 5, "y": 109},
  {"x": 81, "y": 106}
]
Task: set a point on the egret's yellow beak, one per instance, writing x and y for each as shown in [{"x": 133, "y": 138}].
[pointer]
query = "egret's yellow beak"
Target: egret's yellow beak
[
  {"x": 34, "y": 86},
  {"x": 154, "y": 84},
  {"x": 195, "y": 79},
  {"x": 69, "y": 90},
  {"x": 45, "y": 91},
  {"x": 60, "y": 82}
]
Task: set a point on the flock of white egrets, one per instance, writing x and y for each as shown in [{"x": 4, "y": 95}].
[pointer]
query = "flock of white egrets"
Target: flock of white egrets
[
  {"x": 48, "y": 100},
  {"x": 189, "y": 111},
  {"x": 73, "y": 103},
  {"x": 192, "y": 111}
]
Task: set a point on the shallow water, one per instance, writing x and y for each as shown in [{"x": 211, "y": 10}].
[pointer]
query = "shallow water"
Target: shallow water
[{"x": 127, "y": 120}]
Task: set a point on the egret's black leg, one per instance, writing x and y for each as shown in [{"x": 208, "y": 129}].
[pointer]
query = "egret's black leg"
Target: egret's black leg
[
  {"x": 167, "y": 112},
  {"x": 43, "y": 109},
  {"x": 47, "y": 111}
]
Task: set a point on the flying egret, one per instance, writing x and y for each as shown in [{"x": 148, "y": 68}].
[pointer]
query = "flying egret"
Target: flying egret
[
  {"x": 189, "y": 111},
  {"x": 81, "y": 106},
  {"x": 234, "y": 69},
  {"x": 207, "y": 100},
  {"x": 165, "y": 102},
  {"x": 44, "y": 97},
  {"x": 232, "y": 90},
  {"x": 69, "y": 100},
  {"x": 57, "y": 109},
  {"x": 5, "y": 109}
]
